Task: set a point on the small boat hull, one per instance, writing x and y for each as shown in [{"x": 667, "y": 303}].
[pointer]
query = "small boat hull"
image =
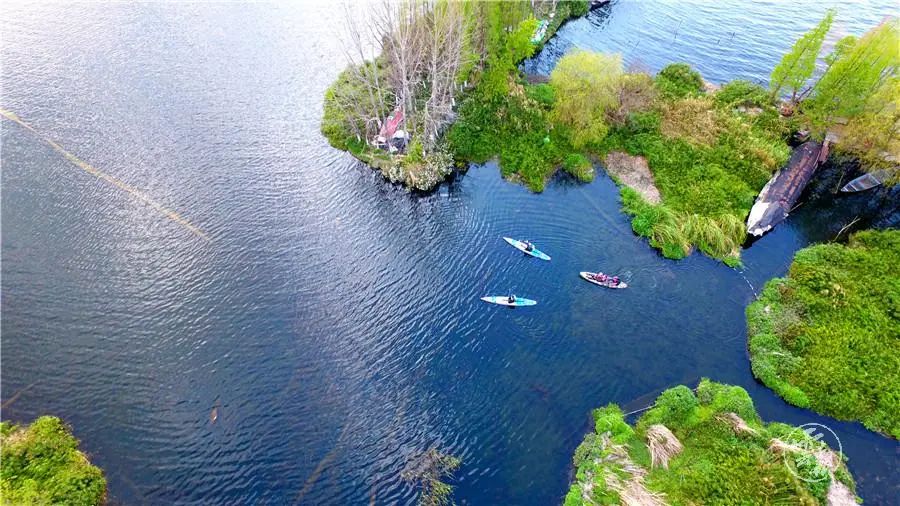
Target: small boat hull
[
  {"x": 864, "y": 182},
  {"x": 588, "y": 276}
]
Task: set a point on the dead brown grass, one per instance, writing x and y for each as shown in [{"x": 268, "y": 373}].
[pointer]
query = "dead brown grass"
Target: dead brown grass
[
  {"x": 692, "y": 119},
  {"x": 632, "y": 491},
  {"x": 636, "y": 94},
  {"x": 663, "y": 445},
  {"x": 737, "y": 423}
]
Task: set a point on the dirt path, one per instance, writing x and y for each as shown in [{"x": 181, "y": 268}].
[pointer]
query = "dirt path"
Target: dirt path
[{"x": 634, "y": 172}]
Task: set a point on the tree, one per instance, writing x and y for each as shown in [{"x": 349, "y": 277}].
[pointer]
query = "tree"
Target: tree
[
  {"x": 798, "y": 65},
  {"x": 874, "y": 135},
  {"x": 587, "y": 86},
  {"x": 856, "y": 72}
]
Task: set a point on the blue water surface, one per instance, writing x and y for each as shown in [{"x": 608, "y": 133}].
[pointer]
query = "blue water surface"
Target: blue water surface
[{"x": 330, "y": 330}]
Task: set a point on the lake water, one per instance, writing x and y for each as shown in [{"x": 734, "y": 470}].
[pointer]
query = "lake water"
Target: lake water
[{"x": 330, "y": 329}]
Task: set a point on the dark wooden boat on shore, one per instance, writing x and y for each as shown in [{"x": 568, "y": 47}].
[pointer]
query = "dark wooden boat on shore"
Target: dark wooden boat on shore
[{"x": 777, "y": 198}]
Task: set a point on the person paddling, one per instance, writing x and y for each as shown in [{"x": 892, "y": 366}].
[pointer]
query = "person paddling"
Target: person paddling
[
  {"x": 528, "y": 246},
  {"x": 511, "y": 299}
]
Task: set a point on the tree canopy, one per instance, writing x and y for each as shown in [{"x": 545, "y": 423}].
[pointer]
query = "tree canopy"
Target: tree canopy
[
  {"x": 856, "y": 72},
  {"x": 798, "y": 65},
  {"x": 586, "y": 85}
]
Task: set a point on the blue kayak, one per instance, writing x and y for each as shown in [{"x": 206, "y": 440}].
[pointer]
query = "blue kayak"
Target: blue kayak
[
  {"x": 519, "y": 245},
  {"x": 503, "y": 300}
]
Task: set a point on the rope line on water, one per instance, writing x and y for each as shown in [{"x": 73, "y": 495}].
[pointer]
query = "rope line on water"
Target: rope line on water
[{"x": 138, "y": 194}]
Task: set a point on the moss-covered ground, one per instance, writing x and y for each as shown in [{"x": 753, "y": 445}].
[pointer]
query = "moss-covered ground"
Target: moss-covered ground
[
  {"x": 827, "y": 336},
  {"x": 708, "y": 447}
]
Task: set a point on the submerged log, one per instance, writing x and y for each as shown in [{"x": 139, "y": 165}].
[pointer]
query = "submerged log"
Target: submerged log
[{"x": 778, "y": 197}]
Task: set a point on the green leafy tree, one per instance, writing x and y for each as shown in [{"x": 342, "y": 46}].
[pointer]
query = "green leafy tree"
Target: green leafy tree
[
  {"x": 874, "y": 135},
  {"x": 856, "y": 73},
  {"x": 514, "y": 47},
  {"x": 586, "y": 85},
  {"x": 797, "y": 66}
]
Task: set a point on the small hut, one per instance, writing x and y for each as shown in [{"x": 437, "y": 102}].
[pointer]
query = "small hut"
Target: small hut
[{"x": 391, "y": 137}]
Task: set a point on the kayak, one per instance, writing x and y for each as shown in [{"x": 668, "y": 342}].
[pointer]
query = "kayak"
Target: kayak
[
  {"x": 588, "y": 276},
  {"x": 503, "y": 300},
  {"x": 519, "y": 245}
]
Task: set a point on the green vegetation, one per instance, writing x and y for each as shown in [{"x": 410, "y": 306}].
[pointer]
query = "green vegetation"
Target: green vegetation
[
  {"x": 857, "y": 69},
  {"x": 856, "y": 98},
  {"x": 679, "y": 80},
  {"x": 708, "y": 448},
  {"x": 876, "y": 130},
  {"x": 41, "y": 464},
  {"x": 427, "y": 473},
  {"x": 709, "y": 154},
  {"x": 826, "y": 337},
  {"x": 579, "y": 166},
  {"x": 515, "y": 128},
  {"x": 435, "y": 55},
  {"x": 587, "y": 86},
  {"x": 797, "y": 66}
]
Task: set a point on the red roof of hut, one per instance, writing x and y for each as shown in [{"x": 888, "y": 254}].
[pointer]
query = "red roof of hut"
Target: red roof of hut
[{"x": 390, "y": 126}]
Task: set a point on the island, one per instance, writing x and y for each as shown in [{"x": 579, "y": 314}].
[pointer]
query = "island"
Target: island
[
  {"x": 826, "y": 336},
  {"x": 41, "y": 464},
  {"x": 705, "y": 447},
  {"x": 691, "y": 157}
]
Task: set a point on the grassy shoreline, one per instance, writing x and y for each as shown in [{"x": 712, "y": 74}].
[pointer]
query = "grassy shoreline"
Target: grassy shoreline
[
  {"x": 41, "y": 464},
  {"x": 708, "y": 447},
  {"x": 826, "y": 336}
]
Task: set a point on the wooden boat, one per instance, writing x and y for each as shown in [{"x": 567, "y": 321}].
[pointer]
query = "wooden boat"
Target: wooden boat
[
  {"x": 777, "y": 198},
  {"x": 864, "y": 182}
]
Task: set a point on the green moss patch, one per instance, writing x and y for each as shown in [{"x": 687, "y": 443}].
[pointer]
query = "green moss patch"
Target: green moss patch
[{"x": 827, "y": 336}]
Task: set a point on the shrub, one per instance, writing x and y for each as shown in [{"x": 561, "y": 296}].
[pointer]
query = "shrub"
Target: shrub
[
  {"x": 678, "y": 80},
  {"x": 579, "y": 166},
  {"x": 610, "y": 419},
  {"x": 643, "y": 122},
  {"x": 543, "y": 94},
  {"x": 586, "y": 86},
  {"x": 41, "y": 464},
  {"x": 675, "y": 407},
  {"x": 740, "y": 93}
]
